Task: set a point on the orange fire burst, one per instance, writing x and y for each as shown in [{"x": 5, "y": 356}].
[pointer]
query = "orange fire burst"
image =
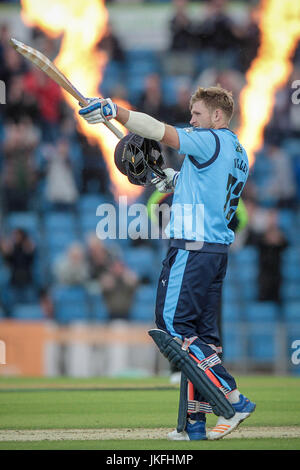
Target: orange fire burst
[
  {"x": 82, "y": 25},
  {"x": 280, "y": 33}
]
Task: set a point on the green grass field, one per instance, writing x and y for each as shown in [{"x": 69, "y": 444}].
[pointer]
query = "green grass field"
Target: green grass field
[{"x": 128, "y": 404}]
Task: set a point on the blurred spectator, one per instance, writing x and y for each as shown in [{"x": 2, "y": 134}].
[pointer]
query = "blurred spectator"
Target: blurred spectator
[
  {"x": 48, "y": 97},
  {"x": 180, "y": 113},
  {"x": 20, "y": 104},
  {"x": 72, "y": 267},
  {"x": 118, "y": 286},
  {"x": 19, "y": 254},
  {"x": 217, "y": 30},
  {"x": 13, "y": 64},
  {"x": 46, "y": 303},
  {"x": 271, "y": 244},
  {"x": 273, "y": 178},
  {"x": 99, "y": 258},
  {"x": 61, "y": 190},
  {"x": 94, "y": 171},
  {"x": 19, "y": 173},
  {"x": 181, "y": 27},
  {"x": 151, "y": 101},
  {"x": 248, "y": 38},
  {"x": 4, "y": 38},
  {"x": 111, "y": 45}
]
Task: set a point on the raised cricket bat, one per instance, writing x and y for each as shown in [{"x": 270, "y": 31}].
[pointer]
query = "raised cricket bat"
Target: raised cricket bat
[{"x": 47, "y": 66}]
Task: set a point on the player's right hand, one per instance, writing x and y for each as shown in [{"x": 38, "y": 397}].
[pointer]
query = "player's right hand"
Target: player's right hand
[
  {"x": 167, "y": 184},
  {"x": 98, "y": 110}
]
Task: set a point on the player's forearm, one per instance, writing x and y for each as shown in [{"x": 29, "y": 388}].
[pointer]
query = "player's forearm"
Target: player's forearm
[{"x": 141, "y": 124}]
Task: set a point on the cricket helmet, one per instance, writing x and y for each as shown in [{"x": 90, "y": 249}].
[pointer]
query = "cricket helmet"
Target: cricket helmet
[{"x": 140, "y": 159}]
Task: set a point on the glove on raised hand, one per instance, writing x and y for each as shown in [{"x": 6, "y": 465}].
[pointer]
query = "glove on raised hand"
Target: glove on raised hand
[{"x": 98, "y": 110}]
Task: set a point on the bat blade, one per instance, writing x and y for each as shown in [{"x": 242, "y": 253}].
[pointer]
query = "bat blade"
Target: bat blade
[{"x": 50, "y": 69}]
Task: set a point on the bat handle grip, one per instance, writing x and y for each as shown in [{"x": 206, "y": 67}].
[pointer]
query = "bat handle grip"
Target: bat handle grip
[
  {"x": 84, "y": 102},
  {"x": 114, "y": 129}
]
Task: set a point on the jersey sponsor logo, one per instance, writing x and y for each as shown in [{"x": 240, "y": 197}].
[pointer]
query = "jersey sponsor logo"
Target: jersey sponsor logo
[{"x": 239, "y": 148}]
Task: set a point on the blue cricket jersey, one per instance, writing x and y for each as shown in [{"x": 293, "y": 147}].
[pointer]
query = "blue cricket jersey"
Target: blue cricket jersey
[{"x": 211, "y": 180}]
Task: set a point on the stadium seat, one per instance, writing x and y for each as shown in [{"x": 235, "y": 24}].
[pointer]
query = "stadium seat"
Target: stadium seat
[
  {"x": 142, "y": 261},
  {"x": 262, "y": 343},
  {"x": 63, "y": 221},
  {"x": 88, "y": 223},
  {"x": 291, "y": 311},
  {"x": 70, "y": 304},
  {"x": 249, "y": 290},
  {"x": 291, "y": 271},
  {"x": 261, "y": 312},
  {"x": 248, "y": 273},
  {"x": 143, "y": 308},
  {"x": 26, "y": 220},
  {"x": 231, "y": 312},
  {"x": 291, "y": 256},
  {"x": 170, "y": 86},
  {"x": 142, "y": 59},
  {"x": 98, "y": 310},
  {"x": 135, "y": 87},
  {"x": 112, "y": 77},
  {"x": 230, "y": 292},
  {"x": 30, "y": 312},
  {"x": 246, "y": 257},
  {"x": 88, "y": 203},
  {"x": 290, "y": 290},
  {"x": 58, "y": 243},
  {"x": 233, "y": 348}
]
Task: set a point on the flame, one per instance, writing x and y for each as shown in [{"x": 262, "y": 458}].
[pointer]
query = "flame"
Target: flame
[
  {"x": 280, "y": 33},
  {"x": 82, "y": 25}
]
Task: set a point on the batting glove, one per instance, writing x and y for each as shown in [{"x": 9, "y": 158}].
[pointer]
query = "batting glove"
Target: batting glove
[
  {"x": 167, "y": 184},
  {"x": 99, "y": 110}
]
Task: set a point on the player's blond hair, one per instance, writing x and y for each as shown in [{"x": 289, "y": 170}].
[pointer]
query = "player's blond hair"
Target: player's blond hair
[{"x": 215, "y": 97}]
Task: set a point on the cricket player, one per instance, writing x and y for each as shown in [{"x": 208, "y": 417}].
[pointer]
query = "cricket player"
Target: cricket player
[{"x": 206, "y": 194}]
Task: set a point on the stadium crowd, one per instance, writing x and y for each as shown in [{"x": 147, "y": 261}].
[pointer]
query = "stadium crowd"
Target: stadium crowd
[{"x": 52, "y": 176}]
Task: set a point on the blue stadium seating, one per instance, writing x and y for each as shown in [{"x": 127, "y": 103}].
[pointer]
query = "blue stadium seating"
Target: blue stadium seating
[
  {"x": 26, "y": 220},
  {"x": 291, "y": 311},
  {"x": 170, "y": 85},
  {"x": 231, "y": 312},
  {"x": 70, "y": 303},
  {"x": 143, "y": 308},
  {"x": 233, "y": 347},
  {"x": 261, "y": 312},
  {"x": 246, "y": 257},
  {"x": 291, "y": 271},
  {"x": 142, "y": 61},
  {"x": 112, "y": 77},
  {"x": 29, "y": 312},
  {"x": 249, "y": 290},
  {"x": 248, "y": 272},
  {"x": 290, "y": 290},
  {"x": 98, "y": 308},
  {"x": 62, "y": 221},
  {"x": 135, "y": 88},
  {"x": 88, "y": 203},
  {"x": 142, "y": 262},
  {"x": 262, "y": 345},
  {"x": 88, "y": 223},
  {"x": 230, "y": 292},
  {"x": 291, "y": 255}
]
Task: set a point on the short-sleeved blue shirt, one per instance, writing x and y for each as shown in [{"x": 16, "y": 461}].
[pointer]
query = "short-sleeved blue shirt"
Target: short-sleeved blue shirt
[{"x": 212, "y": 177}]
